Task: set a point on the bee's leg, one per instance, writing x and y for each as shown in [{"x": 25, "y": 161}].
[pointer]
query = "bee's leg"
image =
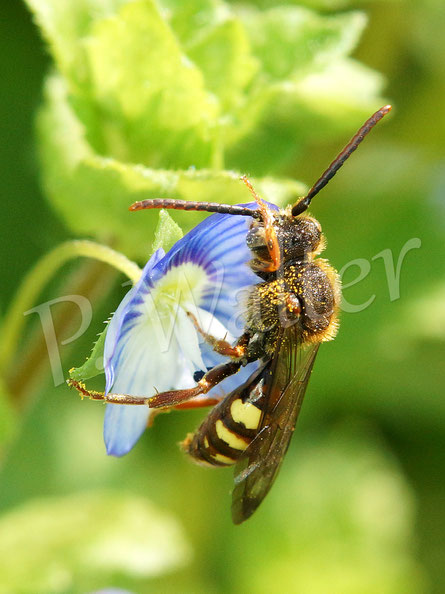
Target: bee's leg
[
  {"x": 137, "y": 400},
  {"x": 112, "y": 398},
  {"x": 200, "y": 403},
  {"x": 209, "y": 380},
  {"x": 222, "y": 346},
  {"x": 267, "y": 216}
]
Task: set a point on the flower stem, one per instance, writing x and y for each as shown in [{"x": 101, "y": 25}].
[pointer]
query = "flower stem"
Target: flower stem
[{"x": 42, "y": 272}]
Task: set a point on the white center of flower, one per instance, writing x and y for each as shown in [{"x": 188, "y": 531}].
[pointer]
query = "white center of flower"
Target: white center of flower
[
  {"x": 166, "y": 306},
  {"x": 161, "y": 348},
  {"x": 182, "y": 286}
]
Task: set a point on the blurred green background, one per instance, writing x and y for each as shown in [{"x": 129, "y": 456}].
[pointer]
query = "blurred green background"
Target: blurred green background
[{"x": 359, "y": 504}]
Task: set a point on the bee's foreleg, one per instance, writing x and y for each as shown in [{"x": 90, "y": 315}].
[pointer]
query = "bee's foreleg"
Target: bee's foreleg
[
  {"x": 198, "y": 403},
  {"x": 126, "y": 399},
  {"x": 267, "y": 215},
  {"x": 222, "y": 346},
  {"x": 112, "y": 398},
  {"x": 208, "y": 381}
]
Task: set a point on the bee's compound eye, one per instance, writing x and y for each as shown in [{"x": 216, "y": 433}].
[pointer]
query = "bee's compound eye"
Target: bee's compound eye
[
  {"x": 313, "y": 233},
  {"x": 313, "y": 227},
  {"x": 256, "y": 237}
]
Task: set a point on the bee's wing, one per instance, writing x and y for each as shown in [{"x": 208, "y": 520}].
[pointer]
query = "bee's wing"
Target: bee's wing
[{"x": 285, "y": 382}]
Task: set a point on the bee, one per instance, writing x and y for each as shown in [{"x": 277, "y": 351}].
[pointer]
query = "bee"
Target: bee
[{"x": 289, "y": 314}]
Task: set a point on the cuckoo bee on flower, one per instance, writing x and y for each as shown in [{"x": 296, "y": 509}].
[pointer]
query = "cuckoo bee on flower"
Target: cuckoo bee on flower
[{"x": 176, "y": 342}]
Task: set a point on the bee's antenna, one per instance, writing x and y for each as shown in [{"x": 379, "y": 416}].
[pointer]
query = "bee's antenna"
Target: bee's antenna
[
  {"x": 231, "y": 209},
  {"x": 303, "y": 203}
]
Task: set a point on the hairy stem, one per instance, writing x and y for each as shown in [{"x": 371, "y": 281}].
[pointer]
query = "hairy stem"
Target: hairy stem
[{"x": 38, "y": 277}]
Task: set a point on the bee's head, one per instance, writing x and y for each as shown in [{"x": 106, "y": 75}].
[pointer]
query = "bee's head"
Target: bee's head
[
  {"x": 298, "y": 238},
  {"x": 287, "y": 234}
]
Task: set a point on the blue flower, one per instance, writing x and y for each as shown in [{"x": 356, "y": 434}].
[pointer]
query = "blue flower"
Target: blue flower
[{"x": 152, "y": 344}]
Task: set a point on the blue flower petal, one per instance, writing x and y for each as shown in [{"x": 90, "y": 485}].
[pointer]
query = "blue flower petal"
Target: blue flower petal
[
  {"x": 123, "y": 426},
  {"x": 152, "y": 345},
  {"x": 115, "y": 325},
  {"x": 218, "y": 244}
]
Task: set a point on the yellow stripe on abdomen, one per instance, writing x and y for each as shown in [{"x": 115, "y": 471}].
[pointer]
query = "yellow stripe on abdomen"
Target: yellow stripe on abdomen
[
  {"x": 223, "y": 459},
  {"x": 229, "y": 437},
  {"x": 245, "y": 413}
]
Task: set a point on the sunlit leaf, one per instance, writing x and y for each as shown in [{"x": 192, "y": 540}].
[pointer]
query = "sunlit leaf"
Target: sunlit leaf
[
  {"x": 227, "y": 62},
  {"x": 153, "y": 103},
  {"x": 174, "y": 86},
  {"x": 167, "y": 232},
  {"x": 289, "y": 41},
  {"x": 328, "y": 5},
  {"x": 63, "y": 24},
  {"x": 93, "y": 193}
]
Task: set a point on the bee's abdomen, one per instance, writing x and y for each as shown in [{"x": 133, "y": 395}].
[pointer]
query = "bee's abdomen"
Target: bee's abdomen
[{"x": 226, "y": 432}]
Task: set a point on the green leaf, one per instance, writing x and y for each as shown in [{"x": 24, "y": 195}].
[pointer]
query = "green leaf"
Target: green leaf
[
  {"x": 167, "y": 232},
  {"x": 85, "y": 542},
  {"x": 152, "y": 101},
  {"x": 94, "y": 364},
  {"x": 63, "y": 24},
  {"x": 139, "y": 96},
  {"x": 93, "y": 193},
  {"x": 284, "y": 117},
  {"x": 193, "y": 19},
  {"x": 225, "y": 58},
  {"x": 187, "y": 88},
  {"x": 308, "y": 89},
  {"x": 328, "y": 5},
  {"x": 291, "y": 41}
]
